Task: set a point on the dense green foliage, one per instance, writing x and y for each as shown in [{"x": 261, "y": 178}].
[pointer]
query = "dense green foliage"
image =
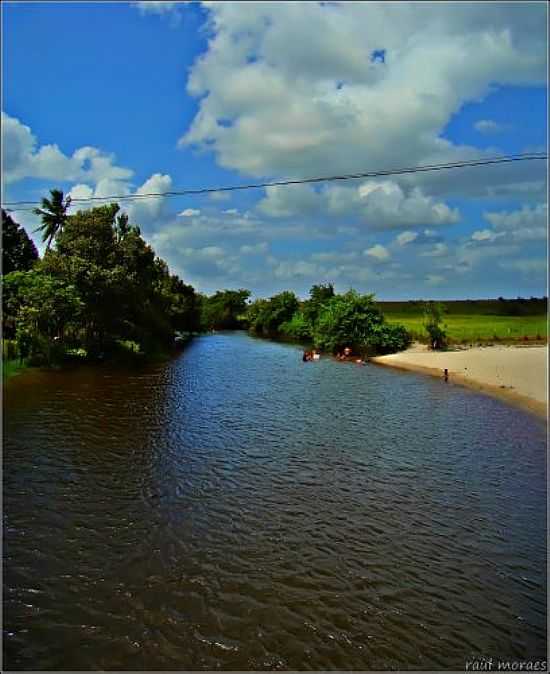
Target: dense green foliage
[
  {"x": 318, "y": 296},
  {"x": 224, "y": 310},
  {"x": 330, "y": 321},
  {"x": 98, "y": 291},
  {"x": 267, "y": 316},
  {"x": 37, "y": 308},
  {"x": 18, "y": 251},
  {"x": 354, "y": 320}
]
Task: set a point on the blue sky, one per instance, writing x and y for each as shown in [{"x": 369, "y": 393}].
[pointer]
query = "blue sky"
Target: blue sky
[{"x": 114, "y": 98}]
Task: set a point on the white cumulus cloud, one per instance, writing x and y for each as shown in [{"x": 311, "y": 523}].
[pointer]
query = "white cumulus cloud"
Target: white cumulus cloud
[
  {"x": 378, "y": 204},
  {"x": 23, "y": 158},
  {"x": 527, "y": 223},
  {"x": 289, "y": 89},
  {"x": 142, "y": 211},
  {"x": 378, "y": 252},
  {"x": 406, "y": 237},
  {"x": 484, "y": 235}
]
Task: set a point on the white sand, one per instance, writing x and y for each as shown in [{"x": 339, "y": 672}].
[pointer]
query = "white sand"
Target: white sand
[{"x": 514, "y": 371}]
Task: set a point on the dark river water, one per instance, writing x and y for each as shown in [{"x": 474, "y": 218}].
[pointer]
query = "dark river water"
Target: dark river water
[{"x": 238, "y": 509}]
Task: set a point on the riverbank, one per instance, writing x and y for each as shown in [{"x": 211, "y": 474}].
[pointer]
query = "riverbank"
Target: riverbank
[
  {"x": 126, "y": 356},
  {"x": 516, "y": 374},
  {"x": 12, "y": 367}
]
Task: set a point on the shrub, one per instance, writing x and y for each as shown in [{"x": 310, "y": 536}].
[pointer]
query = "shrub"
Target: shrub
[
  {"x": 354, "y": 320},
  {"x": 298, "y": 327},
  {"x": 129, "y": 346},
  {"x": 389, "y": 338},
  {"x": 78, "y": 353},
  {"x": 433, "y": 317}
]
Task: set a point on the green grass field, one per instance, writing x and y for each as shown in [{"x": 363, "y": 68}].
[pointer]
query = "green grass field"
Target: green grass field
[
  {"x": 474, "y": 328},
  {"x": 477, "y": 321}
]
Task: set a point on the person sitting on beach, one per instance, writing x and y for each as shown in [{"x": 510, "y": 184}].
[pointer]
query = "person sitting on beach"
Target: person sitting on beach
[{"x": 347, "y": 352}]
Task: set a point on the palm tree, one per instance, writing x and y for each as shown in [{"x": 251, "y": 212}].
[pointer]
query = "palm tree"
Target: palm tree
[{"x": 54, "y": 215}]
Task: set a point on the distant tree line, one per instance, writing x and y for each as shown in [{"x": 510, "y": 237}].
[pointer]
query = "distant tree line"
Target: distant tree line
[
  {"x": 327, "y": 320},
  {"x": 519, "y": 306}
]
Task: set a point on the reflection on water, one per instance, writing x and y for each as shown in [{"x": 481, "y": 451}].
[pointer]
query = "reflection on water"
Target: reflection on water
[{"x": 238, "y": 509}]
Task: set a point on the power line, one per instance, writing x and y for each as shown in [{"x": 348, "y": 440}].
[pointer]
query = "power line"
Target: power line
[{"x": 504, "y": 159}]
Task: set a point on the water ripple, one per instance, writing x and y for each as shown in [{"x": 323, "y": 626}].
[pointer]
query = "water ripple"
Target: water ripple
[{"x": 236, "y": 509}]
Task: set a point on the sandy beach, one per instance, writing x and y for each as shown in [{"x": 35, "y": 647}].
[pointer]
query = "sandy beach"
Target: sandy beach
[{"x": 515, "y": 373}]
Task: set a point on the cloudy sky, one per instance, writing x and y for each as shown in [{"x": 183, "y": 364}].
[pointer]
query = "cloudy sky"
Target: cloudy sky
[{"x": 124, "y": 98}]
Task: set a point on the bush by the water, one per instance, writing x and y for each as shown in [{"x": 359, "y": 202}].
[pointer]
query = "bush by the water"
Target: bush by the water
[
  {"x": 354, "y": 320},
  {"x": 330, "y": 321}
]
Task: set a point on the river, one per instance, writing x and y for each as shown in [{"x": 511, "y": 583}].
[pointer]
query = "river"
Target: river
[{"x": 235, "y": 508}]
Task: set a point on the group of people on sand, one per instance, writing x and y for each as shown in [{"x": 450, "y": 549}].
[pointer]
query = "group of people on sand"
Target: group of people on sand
[{"x": 346, "y": 354}]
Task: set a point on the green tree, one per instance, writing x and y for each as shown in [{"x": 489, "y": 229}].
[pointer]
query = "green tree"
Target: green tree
[
  {"x": 86, "y": 256},
  {"x": 253, "y": 312},
  {"x": 18, "y": 250},
  {"x": 39, "y": 309},
  {"x": 347, "y": 320},
  {"x": 225, "y": 310},
  {"x": 128, "y": 291},
  {"x": 433, "y": 323},
  {"x": 101, "y": 283},
  {"x": 273, "y": 313},
  {"x": 355, "y": 320},
  {"x": 53, "y": 214},
  {"x": 185, "y": 306},
  {"x": 318, "y": 296}
]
